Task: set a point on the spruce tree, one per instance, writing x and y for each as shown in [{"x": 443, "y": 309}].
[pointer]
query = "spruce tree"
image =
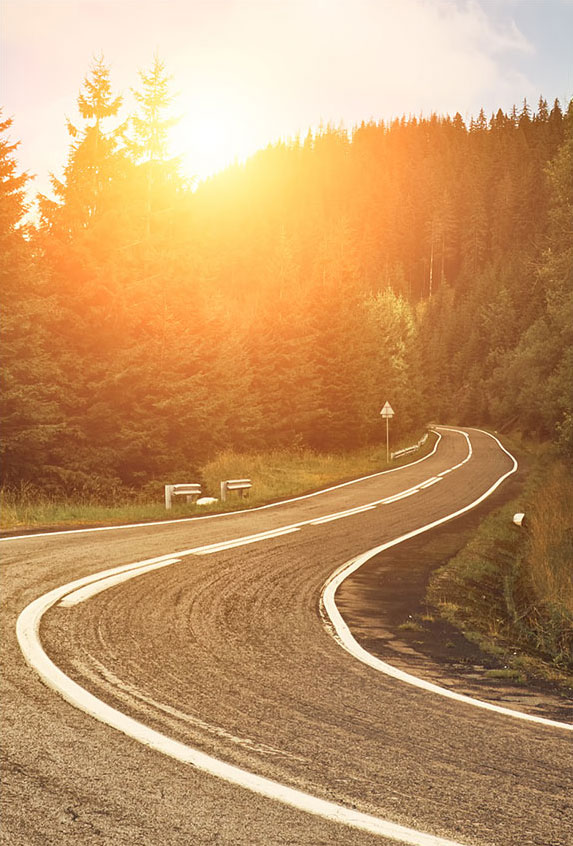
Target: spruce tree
[
  {"x": 31, "y": 411},
  {"x": 95, "y": 162},
  {"x": 149, "y": 140}
]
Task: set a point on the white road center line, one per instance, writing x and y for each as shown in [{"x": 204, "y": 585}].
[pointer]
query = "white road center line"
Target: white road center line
[
  {"x": 399, "y": 496},
  {"x": 429, "y": 483},
  {"x": 94, "y": 588},
  {"x": 330, "y": 517},
  {"x": 232, "y": 544}
]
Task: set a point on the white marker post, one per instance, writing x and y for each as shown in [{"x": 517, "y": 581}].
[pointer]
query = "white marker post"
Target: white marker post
[{"x": 387, "y": 412}]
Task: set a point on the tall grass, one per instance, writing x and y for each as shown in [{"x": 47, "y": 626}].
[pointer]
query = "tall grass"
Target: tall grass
[
  {"x": 511, "y": 589},
  {"x": 275, "y": 475},
  {"x": 25, "y": 507},
  {"x": 282, "y": 473},
  {"x": 548, "y": 562}
]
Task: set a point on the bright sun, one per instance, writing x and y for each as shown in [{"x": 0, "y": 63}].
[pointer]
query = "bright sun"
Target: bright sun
[{"x": 213, "y": 133}]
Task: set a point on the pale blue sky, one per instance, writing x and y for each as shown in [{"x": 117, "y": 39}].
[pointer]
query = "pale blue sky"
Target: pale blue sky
[
  {"x": 548, "y": 27},
  {"x": 250, "y": 71}
]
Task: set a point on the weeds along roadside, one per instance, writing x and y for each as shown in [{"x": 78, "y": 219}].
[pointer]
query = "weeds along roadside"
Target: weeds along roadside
[
  {"x": 276, "y": 474},
  {"x": 510, "y": 589}
]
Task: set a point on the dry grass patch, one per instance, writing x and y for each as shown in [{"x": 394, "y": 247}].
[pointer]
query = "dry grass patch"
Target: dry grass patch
[
  {"x": 511, "y": 589},
  {"x": 277, "y": 474}
]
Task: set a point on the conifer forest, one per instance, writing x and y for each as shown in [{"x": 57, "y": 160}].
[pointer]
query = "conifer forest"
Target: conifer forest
[{"x": 149, "y": 323}]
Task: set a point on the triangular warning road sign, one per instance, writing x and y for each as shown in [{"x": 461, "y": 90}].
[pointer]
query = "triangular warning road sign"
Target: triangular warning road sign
[{"x": 387, "y": 411}]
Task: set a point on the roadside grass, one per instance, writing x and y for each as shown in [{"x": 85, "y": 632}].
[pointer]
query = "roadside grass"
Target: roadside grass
[
  {"x": 275, "y": 475},
  {"x": 27, "y": 508},
  {"x": 411, "y": 625},
  {"x": 506, "y": 674},
  {"x": 282, "y": 473},
  {"x": 510, "y": 589}
]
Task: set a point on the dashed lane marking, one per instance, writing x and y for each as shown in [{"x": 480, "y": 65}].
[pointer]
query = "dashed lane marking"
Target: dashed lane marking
[
  {"x": 232, "y": 544},
  {"x": 350, "y": 513}
]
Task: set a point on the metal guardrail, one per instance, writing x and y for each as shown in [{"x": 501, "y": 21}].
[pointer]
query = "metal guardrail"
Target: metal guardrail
[
  {"x": 410, "y": 449},
  {"x": 190, "y": 491},
  {"x": 406, "y": 451},
  {"x": 239, "y": 485}
]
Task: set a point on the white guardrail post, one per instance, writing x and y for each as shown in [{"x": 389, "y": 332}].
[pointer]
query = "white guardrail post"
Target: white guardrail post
[
  {"x": 190, "y": 492},
  {"x": 239, "y": 485}
]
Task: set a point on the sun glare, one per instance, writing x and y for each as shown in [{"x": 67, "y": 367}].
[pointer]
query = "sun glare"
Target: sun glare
[{"x": 213, "y": 133}]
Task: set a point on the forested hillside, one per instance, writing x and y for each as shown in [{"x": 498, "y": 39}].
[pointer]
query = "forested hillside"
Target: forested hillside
[{"x": 148, "y": 323}]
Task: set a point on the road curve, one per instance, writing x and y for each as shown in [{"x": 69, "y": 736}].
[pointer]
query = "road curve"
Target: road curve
[{"x": 222, "y": 649}]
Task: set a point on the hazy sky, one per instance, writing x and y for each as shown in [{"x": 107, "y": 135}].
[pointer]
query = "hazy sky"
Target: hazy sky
[{"x": 250, "y": 71}]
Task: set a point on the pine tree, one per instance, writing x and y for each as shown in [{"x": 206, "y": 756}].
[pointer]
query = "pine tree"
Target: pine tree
[
  {"x": 533, "y": 381},
  {"x": 31, "y": 414},
  {"x": 12, "y": 187},
  {"x": 524, "y": 121},
  {"x": 149, "y": 144},
  {"x": 151, "y": 126},
  {"x": 479, "y": 125},
  {"x": 542, "y": 114},
  {"x": 95, "y": 164},
  {"x": 390, "y": 320}
]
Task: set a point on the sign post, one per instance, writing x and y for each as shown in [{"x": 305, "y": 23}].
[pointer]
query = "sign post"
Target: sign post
[{"x": 387, "y": 412}]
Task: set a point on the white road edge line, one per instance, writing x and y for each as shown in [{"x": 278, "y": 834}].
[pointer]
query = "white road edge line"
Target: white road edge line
[
  {"x": 27, "y": 629},
  {"x": 336, "y": 626},
  {"x": 227, "y": 513}
]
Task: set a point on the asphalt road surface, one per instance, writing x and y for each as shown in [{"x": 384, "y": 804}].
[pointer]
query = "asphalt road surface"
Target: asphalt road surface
[{"x": 226, "y": 652}]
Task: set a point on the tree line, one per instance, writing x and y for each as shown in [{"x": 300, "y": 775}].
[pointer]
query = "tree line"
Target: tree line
[{"x": 148, "y": 323}]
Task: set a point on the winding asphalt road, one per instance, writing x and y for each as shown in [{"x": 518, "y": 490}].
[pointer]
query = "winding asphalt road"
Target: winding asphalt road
[{"x": 223, "y": 649}]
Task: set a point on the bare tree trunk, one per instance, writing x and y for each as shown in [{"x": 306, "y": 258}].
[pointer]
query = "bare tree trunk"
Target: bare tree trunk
[{"x": 431, "y": 259}]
